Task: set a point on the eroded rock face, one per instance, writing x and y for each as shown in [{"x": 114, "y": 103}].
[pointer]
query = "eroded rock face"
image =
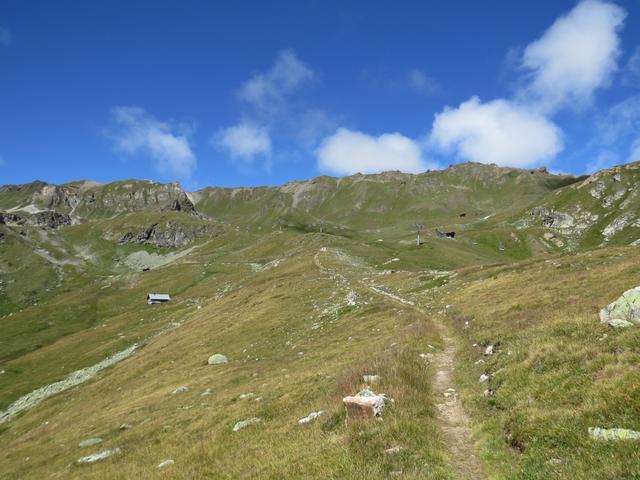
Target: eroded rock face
[
  {"x": 52, "y": 219},
  {"x": 626, "y": 308},
  {"x": 168, "y": 235},
  {"x": 365, "y": 404},
  {"x": 558, "y": 220},
  {"x": 617, "y": 225},
  {"x": 48, "y": 218}
]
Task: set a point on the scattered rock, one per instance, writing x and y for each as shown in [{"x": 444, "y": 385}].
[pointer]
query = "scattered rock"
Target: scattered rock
[
  {"x": 98, "y": 456},
  {"x": 393, "y": 450},
  {"x": 181, "y": 389},
  {"x": 365, "y": 404},
  {"x": 245, "y": 423},
  {"x": 484, "y": 378},
  {"x": 598, "y": 433},
  {"x": 490, "y": 350},
  {"x": 619, "y": 323},
  {"x": 90, "y": 442},
  {"x": 450, "y": 392},
  {"x": 617, "y": 225},
  {"x": 245, "y": 395},
  {"x": 311, "y": 417},
  {"x": 556, "y": 461},
  {"x": 625, "y": 309},
  {"x": 352, "y": 298},
  {"x": 598, "y": 190},
  {"x": 124, "y": 426},
  {"x": 217, "y": 359},
  {"x": 550, "y": 237},
  {"x": 206, "y": 393},
  {"x": 166, "y": 463},
  {"x": 74, "y": 378},
  {"x": 488, "y": 393}
]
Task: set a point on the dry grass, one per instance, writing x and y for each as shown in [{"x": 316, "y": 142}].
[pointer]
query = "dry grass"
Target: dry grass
[
  {"x": 558, "y": 370},
  {"x": 283, "y": 350}
]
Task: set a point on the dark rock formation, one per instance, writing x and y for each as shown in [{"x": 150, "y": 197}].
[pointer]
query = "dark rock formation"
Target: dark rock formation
[
  {"x": 168, "y": 235},
  {"x": 47, "y": 218}
]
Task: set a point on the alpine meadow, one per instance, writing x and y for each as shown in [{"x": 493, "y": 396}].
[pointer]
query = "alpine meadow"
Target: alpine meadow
[{"x": 457, "y": 302}]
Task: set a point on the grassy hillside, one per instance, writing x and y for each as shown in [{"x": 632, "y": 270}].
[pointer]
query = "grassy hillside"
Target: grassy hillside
[
  {"x": 306, "y": 288},
  {"x": 557, "y": 370}
]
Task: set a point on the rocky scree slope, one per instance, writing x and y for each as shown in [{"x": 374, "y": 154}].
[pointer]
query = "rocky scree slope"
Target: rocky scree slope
[{"x": 603, "y": 209}]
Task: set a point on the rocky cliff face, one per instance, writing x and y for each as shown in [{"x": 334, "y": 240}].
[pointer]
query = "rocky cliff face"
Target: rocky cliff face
[
  {"x": 48, "y": 218},
  {"x": 91, "y": 199},
  {"x": 602, "y": 208},
  {"x": 170, "y": 234}
]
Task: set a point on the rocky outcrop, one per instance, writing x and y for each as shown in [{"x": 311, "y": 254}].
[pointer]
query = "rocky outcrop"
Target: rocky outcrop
[
  {"x": 48, "y": 218},
  {"x": 170, "y": 234},
  {"x": 51, "y": 219},
  {"x": 625, "y": 309},
  {"x": 86, "y": 198},
  {"x": 617, "y": 225}
]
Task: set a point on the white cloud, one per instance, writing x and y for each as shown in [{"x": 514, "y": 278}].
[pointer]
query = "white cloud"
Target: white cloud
[
  {"x": 273, "y": 110},
  {"x": 422, "y": 83},
  {"x": 285, "y": 76},
  {"x": 244, "y": 141},
  {"x": 498, "y": 132},
  {"x": 575, "y": 56},
  {"x": 5, "y": 37},
  {"x": 347, "y": 152},
  {"x": 134, "y": 131}
]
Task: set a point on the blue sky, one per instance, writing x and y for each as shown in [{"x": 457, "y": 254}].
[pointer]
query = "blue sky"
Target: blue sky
[{"x": 259, "y": 93}]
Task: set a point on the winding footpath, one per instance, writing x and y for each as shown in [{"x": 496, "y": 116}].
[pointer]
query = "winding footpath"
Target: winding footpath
[{"x": 453, "y": 419}]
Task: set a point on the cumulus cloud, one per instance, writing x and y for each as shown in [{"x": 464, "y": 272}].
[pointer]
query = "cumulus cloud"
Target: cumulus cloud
[
  {"x": 498, "y": 132},
  {"x": 286, "y": 75},
  {"x": 422, "y": 83},
  {"x": 347, "y": 152},
  {"x": 576, "y": 55},
  {"x": 135, "y": 131},
  {"x": 5, "y": 37},
  {"x": 572, "y": 59},
  {"x": 244, "y": 141},
  {"x": 274, "y": 112}
]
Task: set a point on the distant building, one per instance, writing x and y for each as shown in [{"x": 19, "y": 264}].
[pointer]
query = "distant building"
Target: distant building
[{"x": 157, "y": 298}]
